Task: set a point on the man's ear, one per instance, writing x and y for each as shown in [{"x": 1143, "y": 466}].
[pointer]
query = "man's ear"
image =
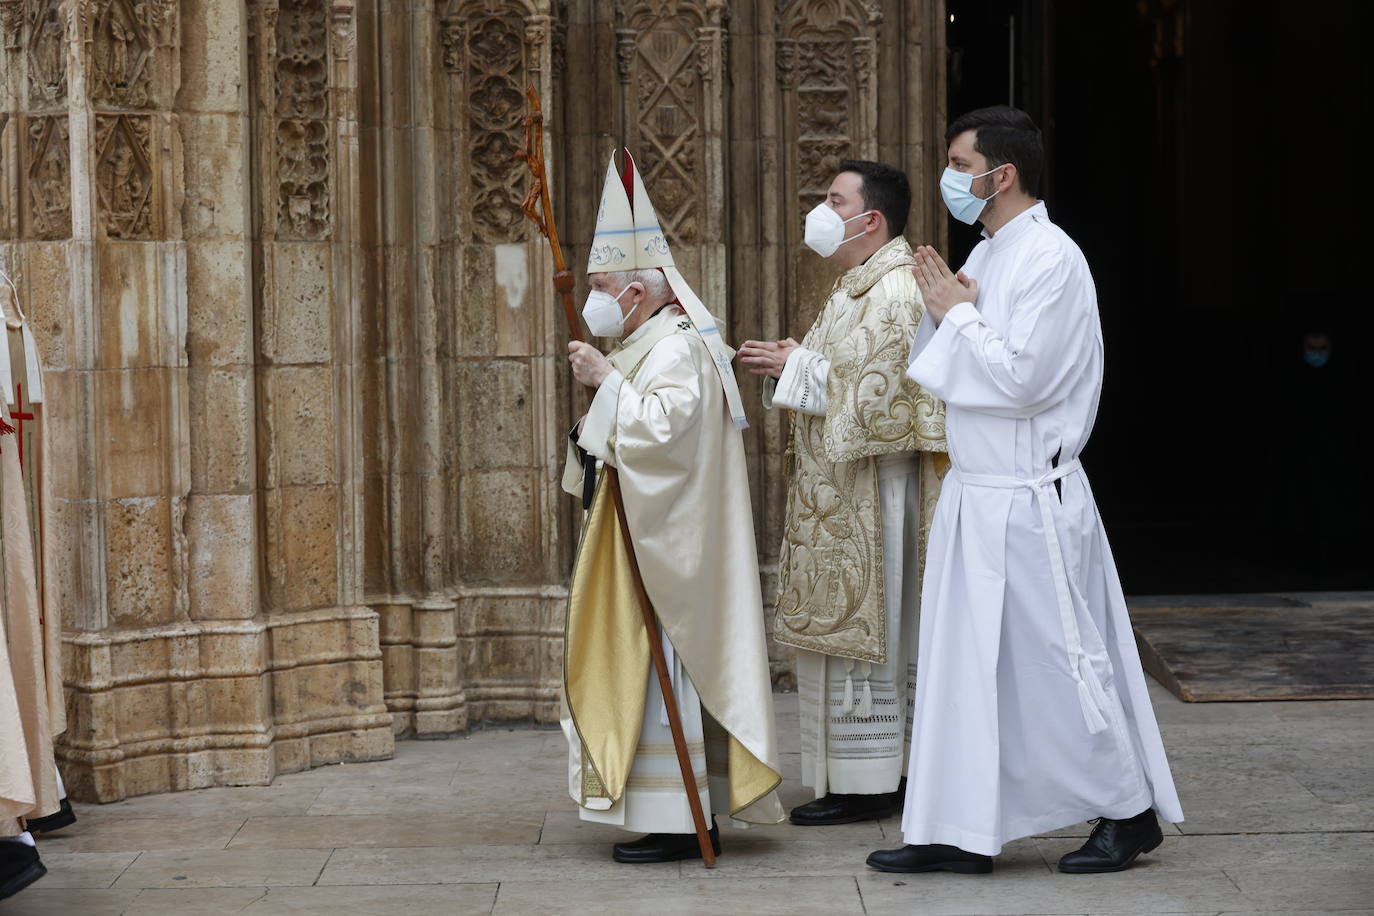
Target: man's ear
[{"x": 1013, "y": 177}]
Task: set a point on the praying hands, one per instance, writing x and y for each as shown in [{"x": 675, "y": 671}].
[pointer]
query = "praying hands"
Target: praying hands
[{"x": 941, "y": 289}]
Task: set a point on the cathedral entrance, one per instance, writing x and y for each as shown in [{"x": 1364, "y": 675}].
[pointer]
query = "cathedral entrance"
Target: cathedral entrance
[{"x": 1196, "y": 153}]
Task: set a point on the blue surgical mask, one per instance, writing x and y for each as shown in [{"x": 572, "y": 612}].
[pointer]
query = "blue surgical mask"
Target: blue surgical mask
[
  {"x": 957, "y": 189},
  {"x": 1316, "y": 358}
]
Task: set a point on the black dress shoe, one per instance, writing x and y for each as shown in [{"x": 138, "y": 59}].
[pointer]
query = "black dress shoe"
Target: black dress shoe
[
  {"x": 834, "y": 808},
  {"x": 19, "y": 867},
  {"x": 62, "y": 817},
  {"x": 664, "y": 847},
  {"x": 1114, "y": 845},
  {"x": 935, "y": 857}
]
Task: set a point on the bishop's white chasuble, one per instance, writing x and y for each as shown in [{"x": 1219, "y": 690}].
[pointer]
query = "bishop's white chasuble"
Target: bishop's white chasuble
[{"x": 661, "y": 420}]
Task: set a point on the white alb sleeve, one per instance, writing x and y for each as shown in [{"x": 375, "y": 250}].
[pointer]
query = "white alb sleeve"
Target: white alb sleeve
[{"x": 801, "y": 386}]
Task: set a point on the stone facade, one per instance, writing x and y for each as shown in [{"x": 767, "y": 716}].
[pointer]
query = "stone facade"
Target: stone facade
[{"x": 306, "y": 382}]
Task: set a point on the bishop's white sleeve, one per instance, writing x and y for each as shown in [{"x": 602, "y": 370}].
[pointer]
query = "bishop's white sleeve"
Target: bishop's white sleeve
[
  {"x": 599, "y": 427},
  {"x": 801, "y": 386},
  {"x": 656, "y": 425},
  {"x": 1017, "y": 373}
]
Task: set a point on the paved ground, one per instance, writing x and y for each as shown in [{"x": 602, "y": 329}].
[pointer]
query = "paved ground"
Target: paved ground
[{"x": 1278, "y": 797}]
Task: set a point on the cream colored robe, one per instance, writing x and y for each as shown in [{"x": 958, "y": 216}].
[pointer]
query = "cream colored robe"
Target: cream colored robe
[
  {"x": 661, "y": 420},
  {"x": 855, "y": 714},
  {"x": 31, "y": 700},
  {"x": 831, "y": 588}
]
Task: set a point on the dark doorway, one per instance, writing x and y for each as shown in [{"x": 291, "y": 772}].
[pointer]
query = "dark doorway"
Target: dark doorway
[{"x": 1204, "y": 155}]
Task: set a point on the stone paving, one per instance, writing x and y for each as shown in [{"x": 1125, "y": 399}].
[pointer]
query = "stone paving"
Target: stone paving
[{"x": 1278, "y": 797}]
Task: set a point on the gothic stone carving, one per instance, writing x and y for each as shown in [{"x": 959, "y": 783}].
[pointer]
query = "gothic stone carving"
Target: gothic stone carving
[
  {"x": 123, "y": 176},
  {"x": 11, "y": 23},
  {"x": 48, "y": 170},
  {"x": 484, "y": 42},
  {"x": 124, "y": 38},
  {"x": 47, "y": 53},
  {"x": 827, "y": 55},
  {"x": 666, "y": 53},
  {"x": 303, "y": 130}
]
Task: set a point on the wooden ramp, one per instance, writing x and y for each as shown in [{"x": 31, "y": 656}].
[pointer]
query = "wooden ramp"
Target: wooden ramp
[{"x": 1226, "y": 648}]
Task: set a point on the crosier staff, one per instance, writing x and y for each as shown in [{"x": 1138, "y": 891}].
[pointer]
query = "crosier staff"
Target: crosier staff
[{"x": 538, "y": 208}]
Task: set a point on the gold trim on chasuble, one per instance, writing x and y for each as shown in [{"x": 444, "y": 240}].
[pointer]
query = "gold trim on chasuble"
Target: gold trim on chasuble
[
  {"x": 606, "y": 650},
  {"x": 830, "y": 567}
]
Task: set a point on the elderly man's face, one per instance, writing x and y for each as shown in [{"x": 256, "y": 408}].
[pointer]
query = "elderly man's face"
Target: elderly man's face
[{"x": 614, "y": 284}]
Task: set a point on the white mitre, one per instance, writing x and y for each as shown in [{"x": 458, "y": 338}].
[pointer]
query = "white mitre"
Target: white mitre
[{"x": 629, "y": 237}]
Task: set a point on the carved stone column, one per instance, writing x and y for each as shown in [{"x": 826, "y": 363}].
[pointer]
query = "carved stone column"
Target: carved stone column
[
  {"x": 309, "y": 342},
  {"x": 499, "y": 360},
  {"x": 411, "y": 465}
]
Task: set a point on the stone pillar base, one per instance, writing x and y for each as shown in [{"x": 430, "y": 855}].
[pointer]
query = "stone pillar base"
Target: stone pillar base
[
  {"x": 511, "y": 637},
  {"x": 215, "y": 703},
  {"x": 420, "y": 654}
]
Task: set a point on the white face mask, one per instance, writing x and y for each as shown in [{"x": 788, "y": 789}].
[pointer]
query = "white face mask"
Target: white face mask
[
  {"x": 825, "y": 229},
  {"x": 602, "y": 313}
]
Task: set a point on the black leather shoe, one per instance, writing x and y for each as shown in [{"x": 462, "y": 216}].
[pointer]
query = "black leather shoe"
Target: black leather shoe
[
  {"x": 1114, "y": 845},
  {"x": 664, "y": 847},
  {"x": 935, "y": 857},
  {"x": 834, "y": 808},
  {"x": 19, "y": 867},
  {"x": 62, "y": 817}
]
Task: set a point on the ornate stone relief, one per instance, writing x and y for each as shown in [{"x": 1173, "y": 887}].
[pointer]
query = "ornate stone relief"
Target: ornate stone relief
[
  {"x": 48, "y": 173},
  {"x": 124, "y": 176},
  {"x": 666, "y": 53},
  {"x": 6, "y": 213},
  {"x": 47, "y": 53},
  {"x": 303, "y": 129},
  {"x": 124, "y": 38},
  {"x": 12, "y": 23},
  {"x": 485, "y": 45},
  {"x": 826, "y": 54}
]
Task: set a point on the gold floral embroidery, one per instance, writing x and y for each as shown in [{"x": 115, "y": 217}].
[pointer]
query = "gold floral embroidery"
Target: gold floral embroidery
[{"x": 830, "y": 588}]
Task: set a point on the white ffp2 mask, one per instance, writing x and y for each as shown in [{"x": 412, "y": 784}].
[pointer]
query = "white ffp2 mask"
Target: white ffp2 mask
[
  {"x": 825, "y": 229},
  {"x": 602, "y": 313}
]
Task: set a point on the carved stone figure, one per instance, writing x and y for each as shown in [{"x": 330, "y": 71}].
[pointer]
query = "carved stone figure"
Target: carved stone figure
[
  {"x": 49, "y": 174},
  {"x": 123, "y": 177},
  {"x": 47, "y": 55},
  {"x": 303, "y": 131}
]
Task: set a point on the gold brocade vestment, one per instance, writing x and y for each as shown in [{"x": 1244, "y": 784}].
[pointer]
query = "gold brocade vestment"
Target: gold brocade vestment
[{"x": 830, "y": 567}]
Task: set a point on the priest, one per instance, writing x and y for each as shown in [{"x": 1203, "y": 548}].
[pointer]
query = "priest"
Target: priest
[
  {"x": 1032, "y": 711},
  {"x": 867, "y": 448},
  {"x": 667, "y": 416}
]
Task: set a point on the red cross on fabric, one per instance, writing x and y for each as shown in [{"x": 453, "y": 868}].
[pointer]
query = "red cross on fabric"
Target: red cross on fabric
[{"x": 20, "y": 414}]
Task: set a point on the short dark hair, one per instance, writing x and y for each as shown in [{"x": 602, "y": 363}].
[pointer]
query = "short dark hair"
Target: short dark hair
[
  {"x": 885, "y": 189},
  {"x": 1004, "y": 134}
]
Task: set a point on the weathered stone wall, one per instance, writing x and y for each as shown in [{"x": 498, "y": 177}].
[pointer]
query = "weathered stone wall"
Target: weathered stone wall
[{"x": 305, "y": 372}]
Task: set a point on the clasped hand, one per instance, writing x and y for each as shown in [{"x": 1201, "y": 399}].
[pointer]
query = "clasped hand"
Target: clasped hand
[
  {"x": 766, "y": 357},
  {"x": 941, "y": 288},
  {"x": 589, "y": 366}
]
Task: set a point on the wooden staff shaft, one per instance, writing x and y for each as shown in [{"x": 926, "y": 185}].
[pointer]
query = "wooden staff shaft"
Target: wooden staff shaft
[{"x": 563, "y": 282}]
